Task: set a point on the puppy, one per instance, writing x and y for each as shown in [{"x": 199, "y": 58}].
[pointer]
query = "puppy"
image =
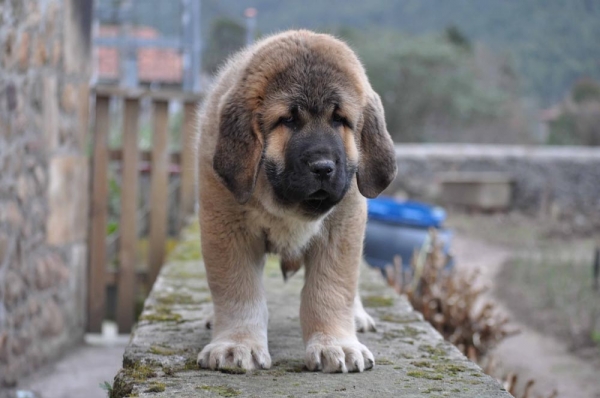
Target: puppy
[{"x": 292, "y": 140}]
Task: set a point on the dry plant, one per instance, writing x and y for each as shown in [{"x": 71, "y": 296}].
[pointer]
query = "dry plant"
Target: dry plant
[
  {"x": 452, "y": 302},
  {"x": 510, "y": 384}
]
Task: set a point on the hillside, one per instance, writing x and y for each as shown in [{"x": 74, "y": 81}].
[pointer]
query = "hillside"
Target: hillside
[{"x": 552, "y": 42}]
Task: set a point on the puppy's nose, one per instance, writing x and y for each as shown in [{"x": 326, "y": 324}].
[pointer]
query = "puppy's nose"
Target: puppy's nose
[{"x": 322, "y": 168}]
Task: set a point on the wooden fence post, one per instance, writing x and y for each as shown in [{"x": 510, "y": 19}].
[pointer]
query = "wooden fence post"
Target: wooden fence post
[
  {"x": 158, "y": 189},
  {"x": 188, "y": 163},
  {"x": 98, "y": 215},
  {"x": 128, "y": 221},
  {"x": 596, "y": 270}
]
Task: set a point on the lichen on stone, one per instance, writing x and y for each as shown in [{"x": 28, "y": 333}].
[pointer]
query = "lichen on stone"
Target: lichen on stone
[
  {"x": 377, "y": 301},
  {"x": 223, "y": 391}
]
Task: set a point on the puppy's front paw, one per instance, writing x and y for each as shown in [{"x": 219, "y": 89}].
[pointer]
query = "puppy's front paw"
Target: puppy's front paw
[
  {"x": 244, "y": 354},
  {"x": 333, "y": 356}
]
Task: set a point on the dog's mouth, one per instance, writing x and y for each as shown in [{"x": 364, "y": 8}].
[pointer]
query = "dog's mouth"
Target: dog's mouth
[
  {"x": 319, "y": 195},
  {"x": 318, "y": 202}
]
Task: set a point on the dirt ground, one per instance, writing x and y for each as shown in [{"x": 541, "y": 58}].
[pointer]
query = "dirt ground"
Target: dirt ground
[{"x": 481, "y": 243}]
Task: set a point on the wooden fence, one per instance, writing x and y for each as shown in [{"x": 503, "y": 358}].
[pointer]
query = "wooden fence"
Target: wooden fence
[{"x": 160, "y": 160}]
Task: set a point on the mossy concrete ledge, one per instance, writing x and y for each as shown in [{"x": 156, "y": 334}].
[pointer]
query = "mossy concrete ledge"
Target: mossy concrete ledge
[{"x": 412, "y": 359}]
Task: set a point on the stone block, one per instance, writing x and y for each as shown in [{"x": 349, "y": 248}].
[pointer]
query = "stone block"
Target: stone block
[
  {"x": 13, "y": 215},
  {"x": 4, "y": 342},
  {"x": 475, "y": 190},
  {"x": 40, "y": 55},
  {"x": 78, "y": 281},
  {"x": 4, "y": 247},
  {"x": 68, "y": 200},
  {"x": 8, "y": 48},
  {"x": 56, "y": 53},
  {"x": 50, "y": 112},
  {"x": 69, "y": 98},
  {"x": 23, "y": 51},
  {"x": 411, "y": 358},
  {"x": 76, "y": 51},
  {"x": 50, "y": 271},
  {"x": 83, "y": 115},
  {"x": 14, "y": 290},
  {"x": 52, "y": 321}
]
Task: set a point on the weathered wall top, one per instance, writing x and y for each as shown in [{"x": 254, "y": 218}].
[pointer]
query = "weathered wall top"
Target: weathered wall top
[
  {"x": 557, "y": 183},
  {"x": 412, "y": 359},
  {"x": 499, "y": 151}
]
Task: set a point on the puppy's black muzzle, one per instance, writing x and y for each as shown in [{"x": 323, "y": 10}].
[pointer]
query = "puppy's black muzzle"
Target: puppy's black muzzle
[{"x": 315, "y": 173}]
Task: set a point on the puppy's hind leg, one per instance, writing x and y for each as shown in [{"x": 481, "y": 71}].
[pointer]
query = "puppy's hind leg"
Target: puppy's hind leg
[{"x": 364, "y": 322}]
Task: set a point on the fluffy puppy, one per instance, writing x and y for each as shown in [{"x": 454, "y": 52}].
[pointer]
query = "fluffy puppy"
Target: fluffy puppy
[{"x": 292, "y": 140}]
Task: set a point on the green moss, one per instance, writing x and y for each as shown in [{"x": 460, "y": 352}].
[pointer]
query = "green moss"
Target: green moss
[
  {"x": 421, "y": 364},
  {"x": 434, "y": 352},
  {"x": 188, "y": 250},
  {"x": 157, "y": 387},
  {"x": 377, "y": 301},
  {"x": 223, "y": 391},
  {"x": 121, "y": 388},
  {"x": 425, "y": 375},
  {"x": 139, "y": 372},
  {"x": 191, "y": 364},
  {"x": 158, "y": 350},
  {"x": 181, "y": 273},
  {"x": 132, "y": 372},
  {"x": 287, "y": 366},
  {"x": 452, "y": 369},
  {"x": 174, "y": 298},
  {"x": 433, "y": 389},
  {"x": 383, "y": 361},
  {"x": 161, "y": 314},
  {"x": 405, "y": 332},
  {"x": 394, "y": 318}
]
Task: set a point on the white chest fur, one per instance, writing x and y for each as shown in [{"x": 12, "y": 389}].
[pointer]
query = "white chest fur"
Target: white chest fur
[{"x": 287, "y": 236}]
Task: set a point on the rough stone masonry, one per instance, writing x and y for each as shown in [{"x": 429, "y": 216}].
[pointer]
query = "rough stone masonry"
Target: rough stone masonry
[
  {"x": 44, "y": 74},
  {"x": 412, "y": 359}
]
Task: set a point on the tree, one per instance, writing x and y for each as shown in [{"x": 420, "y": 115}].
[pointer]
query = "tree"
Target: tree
[{"x": 226, "y": 37}]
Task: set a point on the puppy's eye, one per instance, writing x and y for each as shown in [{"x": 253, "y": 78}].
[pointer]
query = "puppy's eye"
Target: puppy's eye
[
  {"x": 289, "y": 121},
  {"x": 337, "y": 120}
]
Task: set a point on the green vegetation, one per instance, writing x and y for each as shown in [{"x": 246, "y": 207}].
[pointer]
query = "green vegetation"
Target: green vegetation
[
  {"x": 226, "y": 37},
  {"x": 156, "y": 387},
  {"x": 552, "y": 43},
  {"x": 554, "y": 294},
  {"x": 223, "y": 391},
  {"x": 377, "y": 301}
]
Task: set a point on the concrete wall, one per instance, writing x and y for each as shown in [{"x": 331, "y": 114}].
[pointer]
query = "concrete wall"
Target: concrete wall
[
  {"x": 44, "y": 74},
  {"x": 558, "y": 182}
]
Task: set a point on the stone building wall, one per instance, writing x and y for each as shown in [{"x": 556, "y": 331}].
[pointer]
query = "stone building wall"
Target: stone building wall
[
  {"x": 44, "y": 94},
  {"x": 557, "y": 182}
]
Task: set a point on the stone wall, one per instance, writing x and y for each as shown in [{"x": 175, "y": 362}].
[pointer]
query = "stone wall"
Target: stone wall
[
  {"x": 558, "y": 182},
  {"x": 44, "y": 74}
]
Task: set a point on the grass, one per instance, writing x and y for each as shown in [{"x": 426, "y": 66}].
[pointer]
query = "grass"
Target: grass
[
  {"x": 555, "y": 294},
  {"x": 550, "y": 291}
]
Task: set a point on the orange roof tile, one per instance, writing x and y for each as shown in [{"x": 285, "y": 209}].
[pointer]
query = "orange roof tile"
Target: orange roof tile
[{"x": 154, "y": 64}]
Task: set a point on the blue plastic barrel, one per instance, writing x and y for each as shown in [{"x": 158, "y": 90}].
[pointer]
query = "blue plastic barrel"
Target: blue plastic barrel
[{"x": 398, "y": 228}]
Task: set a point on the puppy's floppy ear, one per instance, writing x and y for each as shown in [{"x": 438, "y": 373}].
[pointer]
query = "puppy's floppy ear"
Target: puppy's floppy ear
[
  {"x": 377, "y": 167},
  {"x": 239, "y": 147}
]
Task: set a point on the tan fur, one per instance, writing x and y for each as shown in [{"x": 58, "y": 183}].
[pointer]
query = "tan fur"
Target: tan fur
[{"x": 237, "y": 231}]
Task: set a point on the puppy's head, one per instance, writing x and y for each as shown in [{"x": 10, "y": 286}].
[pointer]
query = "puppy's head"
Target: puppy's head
[{"x": 304, "y": 113}]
